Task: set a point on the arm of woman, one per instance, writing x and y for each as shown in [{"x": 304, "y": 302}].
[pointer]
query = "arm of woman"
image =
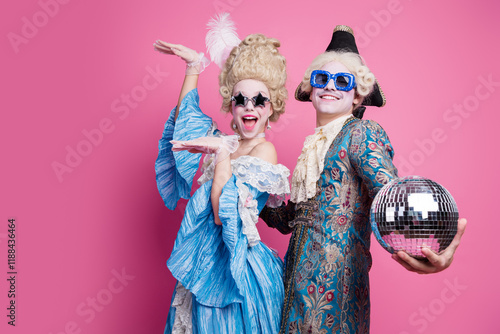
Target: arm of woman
[
  {"x": 175, "y": 170},
  {"x": 195, "y": 62},
  {"x": 223, "y": 172},
  {"x": 190, "y": 83},
  {"x": 221, "y": 148}
]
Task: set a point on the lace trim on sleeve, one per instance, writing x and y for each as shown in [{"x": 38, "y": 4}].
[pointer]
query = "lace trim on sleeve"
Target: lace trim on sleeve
[
  {"x": 207, "y": 168},
  {"x": 275, "y": 201},
  {"x": 214, "y": 131},
  {"x": 247, "y": 209},
  {"x": 266, "y": 177},
  {"x": 209, "y": 161},
  {"x": 228, "y": 146},
  {"x": 208, "y": 165},
  {"x": 183, "y": 303},
  {"x": 231, "y": 143}
]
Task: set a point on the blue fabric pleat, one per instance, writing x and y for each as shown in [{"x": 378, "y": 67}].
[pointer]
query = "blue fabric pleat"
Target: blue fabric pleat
[
  {"x": 236, "y": 289},
  {"x": 200, "y": 259},
  {"x": 175, "y": 170},
  {"x": 234, "y": 240}
]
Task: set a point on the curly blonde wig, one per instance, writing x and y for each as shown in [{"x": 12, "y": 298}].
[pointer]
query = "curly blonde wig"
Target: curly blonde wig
[
  {"x": 257, "y": 57},
  {"x": 365, "y": 80}
]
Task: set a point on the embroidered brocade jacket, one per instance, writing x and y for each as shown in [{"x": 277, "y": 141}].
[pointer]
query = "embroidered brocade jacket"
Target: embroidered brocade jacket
[{"x": 328, "y": 257}]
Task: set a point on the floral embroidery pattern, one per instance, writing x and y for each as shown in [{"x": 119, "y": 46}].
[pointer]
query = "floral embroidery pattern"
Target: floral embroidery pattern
[{"x": 329, "y": 292}]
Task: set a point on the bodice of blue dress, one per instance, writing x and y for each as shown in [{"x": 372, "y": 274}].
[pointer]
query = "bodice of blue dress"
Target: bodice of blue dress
[{"x": 258, "y": 183}]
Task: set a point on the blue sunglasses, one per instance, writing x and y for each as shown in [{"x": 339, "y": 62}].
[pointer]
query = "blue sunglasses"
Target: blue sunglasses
[{"x": 342, "y": 81}]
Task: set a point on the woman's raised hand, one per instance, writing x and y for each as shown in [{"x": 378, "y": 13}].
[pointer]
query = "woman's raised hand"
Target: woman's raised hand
[
  {"x": 208, "y": 145},
  {"x": 185, "y": 53},
  {"x": 196, "y": 62}
]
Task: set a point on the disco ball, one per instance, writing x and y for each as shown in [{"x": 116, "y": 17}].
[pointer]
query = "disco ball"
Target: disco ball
[{"x": 411, "y": 212}]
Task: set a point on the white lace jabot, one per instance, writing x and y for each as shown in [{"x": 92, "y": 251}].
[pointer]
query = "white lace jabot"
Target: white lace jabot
[{"x": 311, "y": 161}]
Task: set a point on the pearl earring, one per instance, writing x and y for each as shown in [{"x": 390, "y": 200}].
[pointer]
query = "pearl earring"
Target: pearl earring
[
  {"x": 268, "y": 126},
  {"x": 234, "y": 126}
]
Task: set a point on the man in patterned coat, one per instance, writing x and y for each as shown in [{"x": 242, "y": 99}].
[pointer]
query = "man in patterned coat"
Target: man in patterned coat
[{"x": 341, "y": 168}]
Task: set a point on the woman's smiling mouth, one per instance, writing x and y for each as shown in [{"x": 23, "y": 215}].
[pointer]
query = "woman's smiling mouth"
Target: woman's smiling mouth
[{"x": 249, "y": 121}]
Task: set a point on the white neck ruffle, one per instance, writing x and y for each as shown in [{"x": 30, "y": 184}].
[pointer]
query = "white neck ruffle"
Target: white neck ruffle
[{"x": 311, "y": 161}]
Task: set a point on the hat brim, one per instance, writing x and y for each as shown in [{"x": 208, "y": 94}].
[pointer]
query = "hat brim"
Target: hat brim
[{"x": 343, "y": 40}]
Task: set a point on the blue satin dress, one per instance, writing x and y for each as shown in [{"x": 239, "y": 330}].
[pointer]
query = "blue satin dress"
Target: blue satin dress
[{"x": 228, "y": 281}]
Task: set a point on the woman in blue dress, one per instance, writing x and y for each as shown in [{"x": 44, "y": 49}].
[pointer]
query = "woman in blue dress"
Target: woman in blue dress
[{"x": 228, "y": 281}]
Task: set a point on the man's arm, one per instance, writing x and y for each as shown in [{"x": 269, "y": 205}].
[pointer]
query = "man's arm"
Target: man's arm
[{"x": 279, "y": 217}]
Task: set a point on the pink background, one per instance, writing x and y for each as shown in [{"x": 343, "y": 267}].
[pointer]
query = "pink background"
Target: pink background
[{"x": 70, "y": 73}]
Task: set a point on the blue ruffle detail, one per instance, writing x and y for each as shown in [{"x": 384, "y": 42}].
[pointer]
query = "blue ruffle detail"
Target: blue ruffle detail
[
  {"x": 235, "y": 288},
  {"x": 235, "y": 241},
  {"x": 200, "y": 258},
  {"x": 256, "y": 270},
  {"x": 175, "y": 170}
]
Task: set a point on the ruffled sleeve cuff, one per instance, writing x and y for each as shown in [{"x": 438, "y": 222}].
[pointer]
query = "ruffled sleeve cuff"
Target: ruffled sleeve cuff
[{"x": 175, "y": 170}]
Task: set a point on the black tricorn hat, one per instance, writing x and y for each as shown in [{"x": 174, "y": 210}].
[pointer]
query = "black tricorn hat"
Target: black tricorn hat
[{"x": 343, "y": 40}]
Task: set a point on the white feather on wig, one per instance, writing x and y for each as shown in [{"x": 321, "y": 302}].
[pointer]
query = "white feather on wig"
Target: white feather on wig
[{"x": 221, "y": 38}]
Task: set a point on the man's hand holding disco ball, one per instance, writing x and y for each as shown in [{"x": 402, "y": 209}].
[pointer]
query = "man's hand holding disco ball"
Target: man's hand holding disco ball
[
  {"x": 415, "y": 219},
  {"x": 435, "y": 263}
]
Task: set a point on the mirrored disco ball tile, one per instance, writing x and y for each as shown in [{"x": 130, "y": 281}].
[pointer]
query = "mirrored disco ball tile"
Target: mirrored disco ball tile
[{"x": 413, "y": 212}]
